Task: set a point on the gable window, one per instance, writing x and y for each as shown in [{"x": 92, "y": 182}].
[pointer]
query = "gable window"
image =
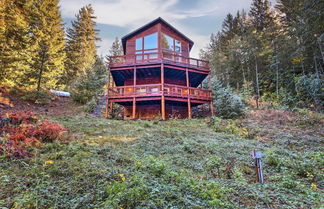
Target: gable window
[
  {"x": 146, "y": 47},
  {"x": 139, "y": 44},
  {"x": 170, "y": 43},
  {"x": 151, "y": 41},
  {"x": 177, "y": 46}
]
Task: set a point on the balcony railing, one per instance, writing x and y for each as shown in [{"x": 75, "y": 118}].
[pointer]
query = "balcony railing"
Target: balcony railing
[
  {"x": 156, "y": 90},
  {"x": 115, "y": 61}
]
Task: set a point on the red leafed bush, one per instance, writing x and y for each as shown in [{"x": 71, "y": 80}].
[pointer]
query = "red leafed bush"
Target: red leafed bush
[
  {"x": 22, "y": 130},
  {"x": 49, "y": 131},
  {"x": 17, "y": 118}
]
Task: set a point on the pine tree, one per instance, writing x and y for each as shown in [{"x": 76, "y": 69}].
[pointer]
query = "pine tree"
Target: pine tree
[
  {"x": 261, "y": 15},
  {"x": 115, "y": 50},
  {"x": 48, "y": 38},
  {"x": 81, "y": 46},
  {"x": 90, "y": 84},
  {"x": 15, "y": 40}
]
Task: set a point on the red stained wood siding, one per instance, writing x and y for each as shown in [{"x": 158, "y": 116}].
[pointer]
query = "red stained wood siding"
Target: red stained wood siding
[
  {"x": 130, "y": 43},
  {"x": 184, "y": 43}
]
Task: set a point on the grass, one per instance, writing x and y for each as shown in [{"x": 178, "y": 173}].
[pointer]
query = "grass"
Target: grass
[{"x": 167, "y": 164}]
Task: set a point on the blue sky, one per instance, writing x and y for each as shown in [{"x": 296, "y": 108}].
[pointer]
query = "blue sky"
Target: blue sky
[{"x": 197, "y": 19}]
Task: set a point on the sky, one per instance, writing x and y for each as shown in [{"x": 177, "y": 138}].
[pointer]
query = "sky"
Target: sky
[{"x": 197, "y": 19}]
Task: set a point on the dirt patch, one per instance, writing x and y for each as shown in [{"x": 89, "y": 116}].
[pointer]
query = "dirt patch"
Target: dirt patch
[
  {"x": 269, "y": 124},
  {"x": 61, "y": 106}
]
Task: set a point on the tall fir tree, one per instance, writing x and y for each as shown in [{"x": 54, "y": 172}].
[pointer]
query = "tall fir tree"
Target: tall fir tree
[
  {"x": 115, "y": 50},
  {"x": 15, "y": 40},
  {"x": 81, "y": 47},
  {"x": 48, "y": 37},
  {"x": 32, "y": 43},
  {"x": 261, "y": 15}
]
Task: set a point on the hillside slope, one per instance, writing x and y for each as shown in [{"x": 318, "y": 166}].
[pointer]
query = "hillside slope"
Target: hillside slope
[{"x": 171, "y": 164}]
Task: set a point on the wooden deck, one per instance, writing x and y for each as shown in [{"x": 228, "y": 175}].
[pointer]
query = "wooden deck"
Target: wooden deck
[
  {"x": 152, "y": 90},
  {"x": 164, "y": 56}
]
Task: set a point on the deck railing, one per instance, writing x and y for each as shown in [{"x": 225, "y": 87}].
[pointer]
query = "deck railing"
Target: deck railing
[
  {"x": 157, "y": 56},
  {"x": 156, "y": 90}
]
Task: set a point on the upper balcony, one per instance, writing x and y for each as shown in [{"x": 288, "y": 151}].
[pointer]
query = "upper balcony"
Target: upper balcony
[{"x": 165, "y": 56}]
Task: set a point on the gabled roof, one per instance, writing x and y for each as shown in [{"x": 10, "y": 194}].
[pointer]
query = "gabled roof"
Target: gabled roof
[{"x": 150, "y": 24}]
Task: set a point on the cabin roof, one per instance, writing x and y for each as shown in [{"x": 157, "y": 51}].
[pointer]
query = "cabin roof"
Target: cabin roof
[{"x": 150, "y": 24}]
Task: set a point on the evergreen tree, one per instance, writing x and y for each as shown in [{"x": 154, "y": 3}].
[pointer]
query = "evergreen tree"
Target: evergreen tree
[
  {"x": 15, "y": 41},
  {"x": 47, "y": 64},
  {"x": 116, "y": 48},
  {"x": 81, "y": 46},
  {"x": 91, "y": 83},
  {"x": 261, "y": 15},
  {"x": 32, "y": 43}
]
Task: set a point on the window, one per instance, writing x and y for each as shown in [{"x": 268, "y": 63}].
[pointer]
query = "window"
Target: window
[
  {"x": 139, "y": 44},
  {"x": 177, "y": 46},
  {"x": 167, "y": 42},
  {"x": 151, "y": 41},
  {"x": 150, "y": 47},
  {"x": 170, "y": 43}
]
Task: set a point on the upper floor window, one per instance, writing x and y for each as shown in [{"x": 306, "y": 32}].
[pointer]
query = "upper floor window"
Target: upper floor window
[
  {"x": 150, "y": 42},
  {"x": 170, "y": 43},
  {"x": 139, "y": 43}
]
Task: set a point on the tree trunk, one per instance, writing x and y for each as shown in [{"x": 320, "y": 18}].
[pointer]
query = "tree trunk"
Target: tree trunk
[
  {"x": 303, "y": 68},
  {"x": 40, "y": 74},
  {"x": 316, "y": 69},
  {"x": 257, "y": 79},
  {"x": 277, "y": 81}
]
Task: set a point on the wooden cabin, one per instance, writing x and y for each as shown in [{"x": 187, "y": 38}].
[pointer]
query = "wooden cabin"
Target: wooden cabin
[{"x": 156, "y": 76}]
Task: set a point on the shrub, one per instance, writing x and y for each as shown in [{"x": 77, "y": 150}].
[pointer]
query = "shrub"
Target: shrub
[
  {"x": 229, "y": 127},
  {"x": 90, "y": 105},
  {"x": 309, "y": 89},
  {"x": 37, "y": 97},
  {"x": 227, "y": 103},
  {"x": 25, "y": 130}
]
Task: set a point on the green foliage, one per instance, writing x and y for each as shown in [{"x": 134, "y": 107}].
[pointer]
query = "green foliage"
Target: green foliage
[
  {"x": 81, "y": 47},
  {"x": 90, "y": 85},
  {"x": 15, "y": 43},
  {"x": 227, "y": 103},
  {"x": 34, "y": 96},
  {"x": 229, "y": 127},
  {"x": 310, "y": 90},
  {"x": 268, "y": 48},
  {"x": 169, "y": 164},
  {"x": 33, "y": 44}
]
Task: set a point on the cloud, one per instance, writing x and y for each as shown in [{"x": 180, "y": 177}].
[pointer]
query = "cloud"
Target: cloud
[{"x": 131, "y": 14}]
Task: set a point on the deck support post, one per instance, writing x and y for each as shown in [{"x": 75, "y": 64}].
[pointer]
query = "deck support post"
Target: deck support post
[
  {"x": 189, "y": 108},
  {"x": 163, "y": 107},
  {"x": 107, "y": 108},
  {"x": 111, "y": 107},
  {"x": 162, "y": 98},
  {"x": 107, "y": 97},
  {"x": 189, "y": 101},
  {"x": 134, "y": 92},
  {"x": 210, "y": 88},
  {"x": 134, "y": 108}
]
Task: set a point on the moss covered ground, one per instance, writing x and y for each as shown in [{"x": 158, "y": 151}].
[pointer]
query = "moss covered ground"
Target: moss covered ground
[{"x": 198, "y": 163}]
